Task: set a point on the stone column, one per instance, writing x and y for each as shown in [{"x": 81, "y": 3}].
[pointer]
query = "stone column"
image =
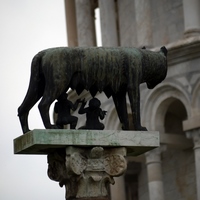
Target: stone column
[
  {"x": 127, "y": 23},
  {"x": 86, "y": 172},
  {"x": 191, "y": 11},
  {"x": 118, "y": 189},
  {"x": 195, "y": 135},
  {"x": 154, "y": 172},
  {"x": 143, "y": 21},
  {"x": 85, "y": 161},
  {"x": 85, "y": 23},
  {"x": 70, "y": 14},
  {"x": 108, "y": 19}
]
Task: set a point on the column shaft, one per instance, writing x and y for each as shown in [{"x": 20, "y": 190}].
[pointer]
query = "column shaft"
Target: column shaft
[
  {"x": 143, "y": 20},
  {"x": 154, "y": 172},
  {"x": 195, "y": 135},
  {"x": 108, "y": 23},
  {"x": 127, "y": 23},
  {"x": 70, "y": 14},
  {"x": 197, "y": 166},
  {"x": 85, "y": 23},
  {"x": 191, "y": 10},
  {"x": 118, "y": 189}
]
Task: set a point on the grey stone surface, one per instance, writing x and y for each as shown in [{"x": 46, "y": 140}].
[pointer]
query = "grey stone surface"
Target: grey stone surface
[
  {"x": 85, "y": 23},
  {"x": 127, "y": 23},
  {"x": 143, "y": 191},
  {"x": 42, "y": 141},
  {"x": 167, "y": 21},
  {"x": 108, "y": 23},
  {"x": 143, "y": 23},
  {"x": 191, "y": 22},
  {"x": 179, "y": 174},
  {"x": 86, "y": 172}
]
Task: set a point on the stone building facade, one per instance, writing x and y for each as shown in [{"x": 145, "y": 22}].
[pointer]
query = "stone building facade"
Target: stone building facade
[{"x": 171, "y": 171}]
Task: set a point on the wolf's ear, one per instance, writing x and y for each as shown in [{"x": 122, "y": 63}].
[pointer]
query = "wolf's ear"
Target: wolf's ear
[{"x": 164, "y": 50}]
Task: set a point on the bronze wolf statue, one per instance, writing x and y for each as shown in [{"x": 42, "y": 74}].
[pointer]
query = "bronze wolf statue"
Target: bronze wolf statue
[{"x": 115, "y": 71}]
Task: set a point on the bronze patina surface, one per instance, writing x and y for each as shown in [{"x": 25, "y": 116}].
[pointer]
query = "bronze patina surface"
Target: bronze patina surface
[{"x": 115, "y": 71}]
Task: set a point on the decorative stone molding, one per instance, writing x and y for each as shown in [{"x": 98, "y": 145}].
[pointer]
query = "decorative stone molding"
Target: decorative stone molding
[
  {"x": 192, "y": 32},
  {"x": 86, "y": 173},
  {"x": 40, "y": 141},
  {"x": 153, "y": 156},
  {"x": 191, "y": 17},
  {"x": 195, "y": 135},
  {"x": 191, "y": 125},
  {"x": 182, "y": 50},
  {"x": 85, "y": 161}
]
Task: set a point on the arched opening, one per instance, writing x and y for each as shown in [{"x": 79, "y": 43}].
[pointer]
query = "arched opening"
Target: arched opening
[
  {"x": 175, "y": 115},
  {"x": 196, "y": 99},
  {"x": 165, "y": 99}
]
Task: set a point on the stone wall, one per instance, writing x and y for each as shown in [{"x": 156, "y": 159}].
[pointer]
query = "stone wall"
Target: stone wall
[
  {"x": 167, "y": 21},
  {"x": 179, "y": 174}
]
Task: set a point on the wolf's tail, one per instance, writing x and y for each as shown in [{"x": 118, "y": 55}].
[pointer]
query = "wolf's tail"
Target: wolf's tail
[{"x": 36, "y": 85}]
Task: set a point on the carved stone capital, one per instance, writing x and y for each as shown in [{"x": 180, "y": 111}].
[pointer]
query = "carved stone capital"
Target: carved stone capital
[
  {"x": 153, "y": 156},
  {"x": 86, "y": 172},
  {"x": 194, "y": 134}
]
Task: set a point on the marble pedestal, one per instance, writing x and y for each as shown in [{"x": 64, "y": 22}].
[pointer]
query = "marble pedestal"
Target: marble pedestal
[{"x": 85, "y": 161}]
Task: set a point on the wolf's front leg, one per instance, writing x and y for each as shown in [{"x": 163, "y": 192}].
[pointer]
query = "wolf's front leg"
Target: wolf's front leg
[{"x": 134, "y": 97}]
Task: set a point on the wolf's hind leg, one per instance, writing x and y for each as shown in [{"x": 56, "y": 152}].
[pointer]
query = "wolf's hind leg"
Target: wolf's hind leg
[{"x": 32, "y": 96}]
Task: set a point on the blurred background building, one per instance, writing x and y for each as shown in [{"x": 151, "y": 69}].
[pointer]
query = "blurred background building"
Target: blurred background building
[{"x": 171, "y": 171}]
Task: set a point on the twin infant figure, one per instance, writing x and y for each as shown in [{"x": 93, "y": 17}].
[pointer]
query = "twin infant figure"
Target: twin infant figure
[{"x": 63, "y": 109}]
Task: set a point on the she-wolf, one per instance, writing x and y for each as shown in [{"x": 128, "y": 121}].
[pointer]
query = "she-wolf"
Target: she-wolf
[{"x": 116, "y": 71}]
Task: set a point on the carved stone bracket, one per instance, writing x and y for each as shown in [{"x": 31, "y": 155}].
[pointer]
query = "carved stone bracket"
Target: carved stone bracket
[
  {"x": 86, "y": 161},
  {"x": 195, "y": 135},
  {"x": 86, "y": 172}
]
